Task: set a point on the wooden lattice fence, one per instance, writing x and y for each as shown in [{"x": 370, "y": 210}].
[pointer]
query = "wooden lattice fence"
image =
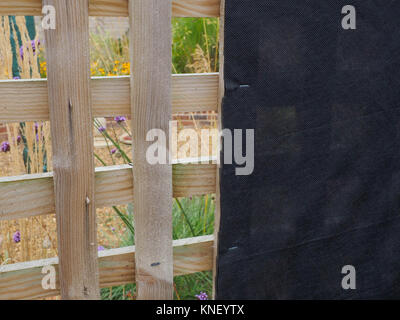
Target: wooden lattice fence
[{"x": 69, "y": 98}]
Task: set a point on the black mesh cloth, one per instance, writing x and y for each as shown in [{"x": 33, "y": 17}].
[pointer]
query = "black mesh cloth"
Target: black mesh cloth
[{"x": 325, "y": 191}]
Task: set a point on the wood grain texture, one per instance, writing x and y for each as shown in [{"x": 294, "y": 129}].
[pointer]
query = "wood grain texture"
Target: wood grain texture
[
  {"x": 113, "y": 8},
  {"x": 117, "y": 267},
  {"x": 27, "y": 100},
  {"x": 195, "y": 92},
  {"x": 198, "y": 179},
  {"x": 33, "y": 195},
  {"x": 221, "y": 93},
  {"x": 195, "y": 8},
  {"x": 151, "y": 57},
  {"x": 72, "y": 142}
]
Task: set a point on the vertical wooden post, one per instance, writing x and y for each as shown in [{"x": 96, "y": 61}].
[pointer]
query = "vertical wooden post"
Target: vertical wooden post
[
  {"x": 67, "y": 49},
  {"x": 221, "y": 94},
  {"x": 151, "y": 38}
]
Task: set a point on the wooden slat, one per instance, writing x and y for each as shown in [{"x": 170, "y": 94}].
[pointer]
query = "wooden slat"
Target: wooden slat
[
  {"x": 113, "y": 8},
  {"x": 26, "y": 100},
  {"x": 117, "y": 267},
  {"x": 196, "y": 179},
  {"x": 151, "y": 56},
  {"x": 33, "y": 100},
  {"x": 195, "y": 92},
  {"x": 72, "y": 144},
  {"x": 32, "y": 195},
  {"x": 195, "y": 8}
]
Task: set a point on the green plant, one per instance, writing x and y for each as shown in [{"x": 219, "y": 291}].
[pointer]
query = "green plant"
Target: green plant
[
  {"x": 194, "y": 49},
  {"x": 109, "y": 56},
  {"x": 195, "y": 45}
]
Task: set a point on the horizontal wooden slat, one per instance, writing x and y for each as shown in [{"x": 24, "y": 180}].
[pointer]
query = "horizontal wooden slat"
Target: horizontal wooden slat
[
  {"x": 33, "y": 195},
  {"x": 116, "y": 266},
  {"x": 196, "y": 8},
  {"x": 114, "y": 8},
  {"x": 196, "y": 179},
  {"x": 26, "y": 100}
]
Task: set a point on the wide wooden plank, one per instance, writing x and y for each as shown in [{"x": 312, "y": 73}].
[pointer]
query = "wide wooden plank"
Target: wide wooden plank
[
  {"x": 72, "y": 145},
  {"x": 113, "y": 8},
  {"x": 151, "y": 56},
  {"x": 27, "y": 100},
  {"x": 117, "y": 267},
  {"x": 32, "y": 195}
]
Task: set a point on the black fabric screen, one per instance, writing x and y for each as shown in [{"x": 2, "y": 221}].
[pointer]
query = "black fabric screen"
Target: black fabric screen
[{"x": 325, "y": 191}]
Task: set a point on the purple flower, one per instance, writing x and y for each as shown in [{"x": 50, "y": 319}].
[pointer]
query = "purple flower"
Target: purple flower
[
  {"x": 120, "y": 119},
  {"x": 21, "y": 52},
  {"x": 5, "y": 146},
  {"x": 102, "y": 129},
  {"x": 112, "y": 229},
  {"x": 113, "y": 151},
  {"x": 202, "y": 296},
  {"x": 16, "y": 78},
  {"x": 100, "y": 248},
  {"x": 17, "y": 237},
  {"x": 19, "y": 139},
  {"x": 33, "y": 46}
]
